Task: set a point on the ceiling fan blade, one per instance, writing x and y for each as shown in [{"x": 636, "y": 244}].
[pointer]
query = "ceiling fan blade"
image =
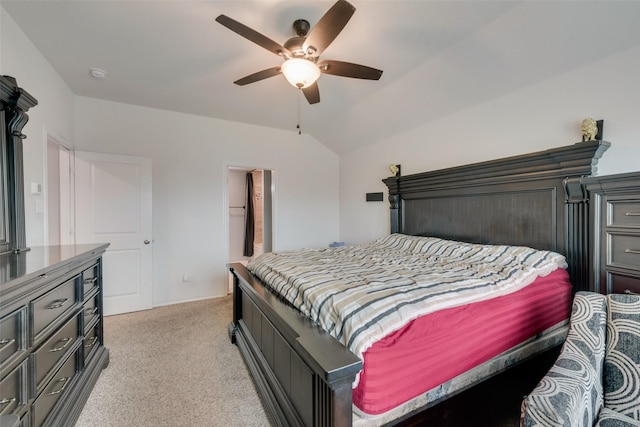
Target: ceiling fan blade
[
  {"x": 312, "y": 93},
  {"x": 347, "y": 69},
  {"x": 328, "y": 28},
  {"x": 253, "y": 35},
  {"x": 260, "y": 75}
]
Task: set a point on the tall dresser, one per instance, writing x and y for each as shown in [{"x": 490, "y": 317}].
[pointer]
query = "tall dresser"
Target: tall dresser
[
  {"x": 51, "y": 332},
  {"x": 615, "y": 233}
]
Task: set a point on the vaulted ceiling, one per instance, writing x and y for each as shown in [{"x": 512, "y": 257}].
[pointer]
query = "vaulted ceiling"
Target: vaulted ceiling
[{"x": 438, "y": 57}]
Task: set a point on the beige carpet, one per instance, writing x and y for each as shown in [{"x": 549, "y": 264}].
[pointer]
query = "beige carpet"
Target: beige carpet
[{"x": 173, "y": 366}]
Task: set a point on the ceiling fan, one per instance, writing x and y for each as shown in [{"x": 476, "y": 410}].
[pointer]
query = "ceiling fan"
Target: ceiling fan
[{"x": 302, "y": 65}]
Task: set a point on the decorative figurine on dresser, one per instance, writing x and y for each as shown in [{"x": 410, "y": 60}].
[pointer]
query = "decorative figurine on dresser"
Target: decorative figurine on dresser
[
  {"x": 51, "y": 322},
  {"x": 615, "y": 234}
]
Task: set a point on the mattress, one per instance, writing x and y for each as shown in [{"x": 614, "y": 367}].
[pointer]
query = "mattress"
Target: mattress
[
  {"x": 437, "y": 347},
  {"x": 418, "y": 311}
]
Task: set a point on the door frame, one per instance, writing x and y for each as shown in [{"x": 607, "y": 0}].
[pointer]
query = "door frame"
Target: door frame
[
  {"x": 66, "y": 225},
  {"x": 225, "y": 205}
]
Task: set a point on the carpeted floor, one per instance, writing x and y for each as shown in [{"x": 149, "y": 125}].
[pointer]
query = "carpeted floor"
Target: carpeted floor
[{"x": 173, "y": 366}]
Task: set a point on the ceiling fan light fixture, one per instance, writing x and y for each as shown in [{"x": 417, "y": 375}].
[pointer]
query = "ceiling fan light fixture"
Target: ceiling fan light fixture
[{"x": 300, "y": 72}]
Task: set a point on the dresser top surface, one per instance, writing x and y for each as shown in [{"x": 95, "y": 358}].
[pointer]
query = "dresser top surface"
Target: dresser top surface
[{"x": 40, "y": 259}]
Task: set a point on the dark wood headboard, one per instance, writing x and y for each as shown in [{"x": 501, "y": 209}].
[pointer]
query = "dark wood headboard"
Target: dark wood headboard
[{"x": 534, "y": 200}]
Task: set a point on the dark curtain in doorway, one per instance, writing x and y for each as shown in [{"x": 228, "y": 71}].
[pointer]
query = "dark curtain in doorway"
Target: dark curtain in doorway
[{"x": 249, "y": 227}]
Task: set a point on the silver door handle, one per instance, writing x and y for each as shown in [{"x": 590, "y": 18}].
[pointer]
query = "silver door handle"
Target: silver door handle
[{"x": 146, "y": 242}]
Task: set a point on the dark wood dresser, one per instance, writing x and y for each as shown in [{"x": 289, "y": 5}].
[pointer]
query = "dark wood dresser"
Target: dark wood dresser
[
  {"x": 615, "y": 233},
  {"x": 51, "y": 332}
]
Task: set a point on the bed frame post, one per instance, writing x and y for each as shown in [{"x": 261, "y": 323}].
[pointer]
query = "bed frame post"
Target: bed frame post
[
  {"x": 577, "y": 233},
  {"x": 395, "y": 205},
  {"x": 237, "y": 308}
]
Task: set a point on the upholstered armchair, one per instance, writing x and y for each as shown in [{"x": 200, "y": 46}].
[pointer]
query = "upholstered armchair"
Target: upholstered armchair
[{"x": 596, "y": 379}]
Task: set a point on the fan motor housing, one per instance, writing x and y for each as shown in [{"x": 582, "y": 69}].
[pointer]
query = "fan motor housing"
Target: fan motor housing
[
  {"x": 294, "y": 44},
  {"x": 301, "y": 28}
]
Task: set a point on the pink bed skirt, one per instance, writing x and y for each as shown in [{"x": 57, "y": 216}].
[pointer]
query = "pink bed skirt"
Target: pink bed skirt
[{"x": 436, "y": 348}]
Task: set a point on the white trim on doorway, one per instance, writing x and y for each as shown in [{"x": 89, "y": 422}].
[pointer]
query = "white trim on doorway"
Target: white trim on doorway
[
  {"x": 227, "y": 166},
  {"x": 64, "y": 198}
]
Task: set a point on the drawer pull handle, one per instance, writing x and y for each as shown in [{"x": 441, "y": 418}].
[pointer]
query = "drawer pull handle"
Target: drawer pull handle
[
  {"x": 90, "y": 311},
  {"x": 90, "y": 280},
  {"x": 65, "y": 341},
  {"x": 6, "y": 401},
  {"x": 91, "y": 343},
  {"x": 632, "y": 251},
  {"x": 57, "y": 303},
  {"x": 61, "y": 389},
  {"x": 630, "y": 292},
  {"x": 632, "y": 214},
  {"x": 6, "y": 342}
]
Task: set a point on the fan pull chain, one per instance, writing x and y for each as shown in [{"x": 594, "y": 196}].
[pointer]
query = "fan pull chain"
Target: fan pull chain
[{"x": 298, "y": 126}]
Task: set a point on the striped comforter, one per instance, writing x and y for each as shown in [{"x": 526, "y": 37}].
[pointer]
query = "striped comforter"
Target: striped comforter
[{"x": 360, "y": 294}]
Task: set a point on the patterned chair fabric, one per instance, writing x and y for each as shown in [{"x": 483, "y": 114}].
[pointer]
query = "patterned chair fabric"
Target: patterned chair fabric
[
  {"x": 622, "y": 358},
  {"x": 596, "y": 379}
]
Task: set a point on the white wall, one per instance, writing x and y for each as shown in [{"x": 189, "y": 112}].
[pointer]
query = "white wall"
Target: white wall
[
  {"x": 536, "y": 118},
  {"x": 190, "y": 155},
  {"x": 54, "y": 114}
]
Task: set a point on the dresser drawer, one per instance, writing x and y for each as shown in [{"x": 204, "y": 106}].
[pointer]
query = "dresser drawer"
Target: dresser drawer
[
  {"x": 13, "y": 389},
  {"x": 54, "y": 349},
  {"x": 91, "y": 341},
  {"x": 54, "y": 390},
  {"x": 91, "y": 310},
  {"x": 624, "y": 250},
  {"x": 90, "y": 279},
  {"x": 624, "y": 213},
  {"x": 622, "y": 284},
  {"x": 12, "y": 336},
  {"x": 52, "y": 305}
]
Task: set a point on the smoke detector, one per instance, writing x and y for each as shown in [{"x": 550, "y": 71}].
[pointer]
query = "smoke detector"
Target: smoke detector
[{"x": 97, "y": 73}]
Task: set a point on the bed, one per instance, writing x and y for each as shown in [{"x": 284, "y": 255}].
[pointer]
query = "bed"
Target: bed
[{"x": 305, "y": 376}]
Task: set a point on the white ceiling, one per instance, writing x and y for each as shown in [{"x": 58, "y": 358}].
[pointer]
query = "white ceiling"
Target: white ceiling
[{"x": 438, "y": 57}]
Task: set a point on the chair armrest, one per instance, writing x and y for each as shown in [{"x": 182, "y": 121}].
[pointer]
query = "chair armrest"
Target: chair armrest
[{"x": 570, "y": 394}]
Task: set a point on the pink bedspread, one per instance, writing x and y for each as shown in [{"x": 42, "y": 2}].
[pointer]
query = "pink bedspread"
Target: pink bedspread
[{"x": 439, "y": 346}]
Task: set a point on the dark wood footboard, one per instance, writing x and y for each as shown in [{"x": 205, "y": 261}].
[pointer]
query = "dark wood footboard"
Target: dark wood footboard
[{"x": 303, "y": 374}]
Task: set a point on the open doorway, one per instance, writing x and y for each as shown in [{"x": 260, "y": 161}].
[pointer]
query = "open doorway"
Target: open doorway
[{"x": 250, "y": 197}]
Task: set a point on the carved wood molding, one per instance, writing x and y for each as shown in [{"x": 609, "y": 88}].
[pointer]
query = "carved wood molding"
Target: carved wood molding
[
  {"x": 575, "y": 160},
  {"x": 15, "y": 102},
  {"x": 14, "y": 97}
]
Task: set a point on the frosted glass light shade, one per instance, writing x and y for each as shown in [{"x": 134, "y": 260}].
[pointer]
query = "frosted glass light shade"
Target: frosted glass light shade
[{"x": 300, "y": 72}]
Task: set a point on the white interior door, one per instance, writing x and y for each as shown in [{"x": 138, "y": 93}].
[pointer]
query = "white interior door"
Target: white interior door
[{"x": 113, "y": 200}]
